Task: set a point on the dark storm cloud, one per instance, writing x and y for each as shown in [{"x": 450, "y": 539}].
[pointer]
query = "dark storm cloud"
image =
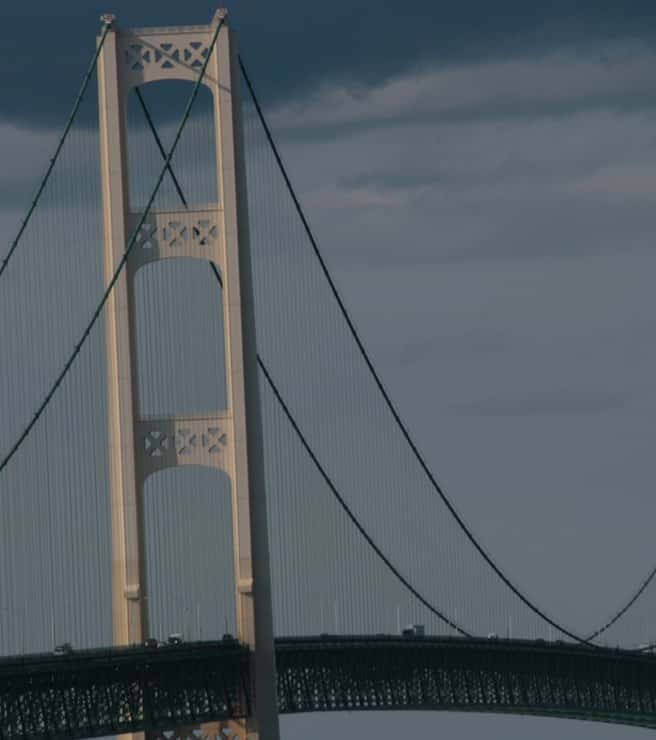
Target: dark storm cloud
[{"x": 292, "y": 45}]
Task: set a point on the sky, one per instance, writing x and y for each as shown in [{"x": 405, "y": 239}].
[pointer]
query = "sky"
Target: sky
[{"x": 482, "y": 182}]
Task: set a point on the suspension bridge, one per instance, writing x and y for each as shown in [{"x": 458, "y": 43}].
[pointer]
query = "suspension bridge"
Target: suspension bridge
[{"x": 211, "y": 510}]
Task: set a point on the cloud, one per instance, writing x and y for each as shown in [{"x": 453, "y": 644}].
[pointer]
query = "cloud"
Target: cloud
[
  {"x": 562, "y": 402},
  {"x": 535, "y": 157},
  {"x": 615, "y": 75},
  {"x": 469, "y": 345}
]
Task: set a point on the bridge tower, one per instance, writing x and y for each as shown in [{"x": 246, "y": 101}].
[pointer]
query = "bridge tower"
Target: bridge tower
[{"x": 231, "y": 441}]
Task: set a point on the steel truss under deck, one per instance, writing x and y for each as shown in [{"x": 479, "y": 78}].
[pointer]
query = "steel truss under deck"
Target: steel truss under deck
[{"x": 100, "y": 692}]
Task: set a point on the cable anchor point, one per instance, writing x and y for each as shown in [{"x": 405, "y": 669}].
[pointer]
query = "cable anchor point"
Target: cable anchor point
[
  {"x": 108, "y": 19},
  {"x": 220, "y": 15}
]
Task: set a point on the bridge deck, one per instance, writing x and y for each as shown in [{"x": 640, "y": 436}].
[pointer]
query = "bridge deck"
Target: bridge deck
[{"x": 99, "y": 692}]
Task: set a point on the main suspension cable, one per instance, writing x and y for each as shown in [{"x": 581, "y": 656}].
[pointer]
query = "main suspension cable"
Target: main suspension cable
[
  {"x": 369, "y": 363},
  {"x": 85, "y": 334},
  {"x": 60, "y": 146},
  {"x": 378, "y": 381}
]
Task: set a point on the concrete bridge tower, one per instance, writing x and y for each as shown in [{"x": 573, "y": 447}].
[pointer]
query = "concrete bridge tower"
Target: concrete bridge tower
[{"x": 232, "y": 440}]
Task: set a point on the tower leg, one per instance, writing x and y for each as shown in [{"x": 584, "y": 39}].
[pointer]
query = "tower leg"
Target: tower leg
[{"x": 232, "y": 440}]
